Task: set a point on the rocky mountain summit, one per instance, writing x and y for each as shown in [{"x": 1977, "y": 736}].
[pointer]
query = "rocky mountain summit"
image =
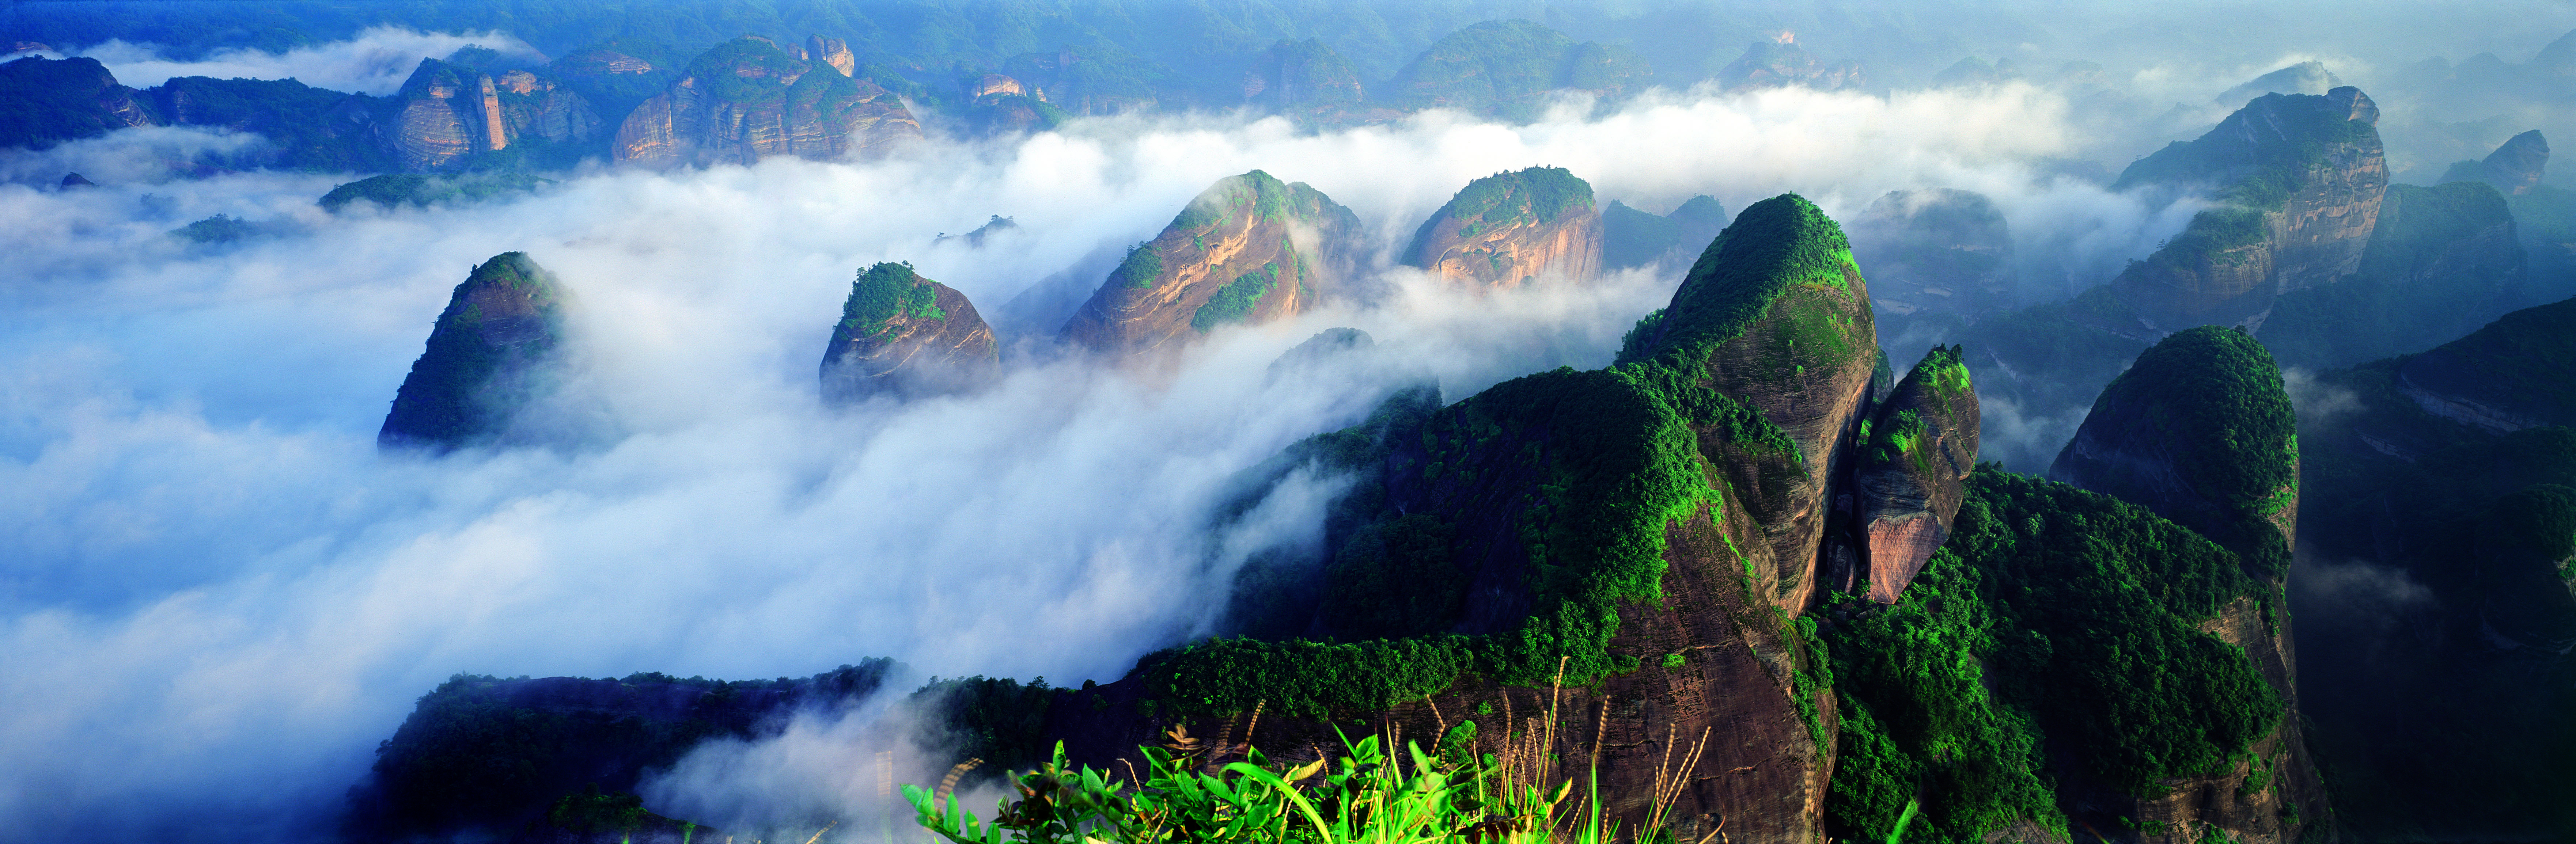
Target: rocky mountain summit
[
  {"x": 1249, "y": 249},
  {"x": 749, "y": 99},
  {"x": 1671, "y": 553},
  {"x": 2300, "y": 178},
  {"x": 1511, "y": 229},
  {"x": 906, "y": 335},
  {"x": 1909, "y": 463},
  {"x": 447, "y": 114},
  {"x": 2515, "y": 168},
  {"x": 490, "y": 355}
]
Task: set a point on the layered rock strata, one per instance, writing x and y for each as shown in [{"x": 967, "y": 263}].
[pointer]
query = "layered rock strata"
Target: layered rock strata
[
  {"x": 2300, "y": 179},
  {"x": 1249, "y": 249},
  {"x": 1510, "y": 229},
  {"x": 905, "y": 335},
  {"x": 747, "y": 99}
]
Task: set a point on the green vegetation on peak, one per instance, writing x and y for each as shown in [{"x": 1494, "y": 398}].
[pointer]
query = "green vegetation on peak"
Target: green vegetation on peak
[
  {"x": 2211, "y": 400},
  {"x": 1585, "y": 470},
  {"x": 516, "y": 272},
  {"x": 1774, "y": 246},
  {"x": 1944, "y": 370},
  {"x": 44, "y": 102},
  {"x": 1534, "y": 195},
  {"x": 885, "y": 295},
  {"x": 1256, "y": 193},
  {"x": 1233, "y": 302},
  {"x": 2054, "y": 623}
]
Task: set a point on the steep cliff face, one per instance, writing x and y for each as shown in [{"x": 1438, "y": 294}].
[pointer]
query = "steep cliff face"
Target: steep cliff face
[
  {"x": 1568, "y": 547},
  {"x": 55, "y": 100},
  {"x": 2515, "y": 168},
  {"x": 747, "y": 99},
  {"x": 2441, "y": 262},
  {"x": 1249, "y": 249},
  {"x": 447, "y": 114},
  {"x": 488, "y": 356},
  {"x": 905, "y": 335},
  {"x": 2301, "y": 178},
  {"x": 1781, "y": 63},
  {"x": 1510, "y": 229},
  {"x": 1775, "y": 316},
  {"x": 1908, "y": 462},
  {"x": 1941, "y": 250},
  {"x": 2200, "y": 431},
  {"x": 1507, "y": 68}
]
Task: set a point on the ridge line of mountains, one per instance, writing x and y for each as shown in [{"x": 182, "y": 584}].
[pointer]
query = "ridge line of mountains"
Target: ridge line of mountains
[{"x": 1749, "y": 522}]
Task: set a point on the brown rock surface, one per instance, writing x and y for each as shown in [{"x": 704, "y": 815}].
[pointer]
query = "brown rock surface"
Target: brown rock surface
[
  {"x": 2304, "y": 175},
  {"x": 905, "y": 335},
  {"x": 449, "y": 113},
  {"x": 1510, "y": 229},
  {"x": 1249, "y": 249},
  {"x": 746, "y": 100},
  {"x": 1776, "y": 316},
  {"x": 1917, "y": 448}
]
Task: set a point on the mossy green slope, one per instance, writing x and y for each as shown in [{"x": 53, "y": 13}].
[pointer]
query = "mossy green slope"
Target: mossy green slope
[
  {"x": 487, "y": 356},
  {"x": 2201, "y": 431},
  {"x": 2051, "y": 646},
  {"x": 1550, "y": 494},
  {"x": 1775, "y": 319}
]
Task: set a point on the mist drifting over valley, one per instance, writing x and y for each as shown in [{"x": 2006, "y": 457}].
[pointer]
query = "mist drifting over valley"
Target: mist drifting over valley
[{"x": 218, "y": 595}]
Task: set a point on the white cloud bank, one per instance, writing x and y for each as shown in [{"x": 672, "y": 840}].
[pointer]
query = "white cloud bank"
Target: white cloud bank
[{"x": 216, "y": 597}]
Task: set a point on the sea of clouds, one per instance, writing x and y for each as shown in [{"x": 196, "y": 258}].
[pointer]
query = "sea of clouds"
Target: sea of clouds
[{"x": 216, "y": 595}]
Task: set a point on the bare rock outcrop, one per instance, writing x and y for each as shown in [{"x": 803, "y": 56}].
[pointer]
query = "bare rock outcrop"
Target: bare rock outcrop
[
  {"x": 447, "y": 113},
  {"x": 1510, "y": 229},
  {"x": 1249, "y": 249},
  {"x": 747, "y": 99},
  {"x": 1909, "y": 462},
  {"x": 905, "y": 335},
  {"x": 1776, "y": 318},
  {"x": 2301, "y": 177}
]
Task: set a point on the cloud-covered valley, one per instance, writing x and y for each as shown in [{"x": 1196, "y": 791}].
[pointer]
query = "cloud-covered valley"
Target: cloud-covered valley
[{"x": 218, "y": 595}]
